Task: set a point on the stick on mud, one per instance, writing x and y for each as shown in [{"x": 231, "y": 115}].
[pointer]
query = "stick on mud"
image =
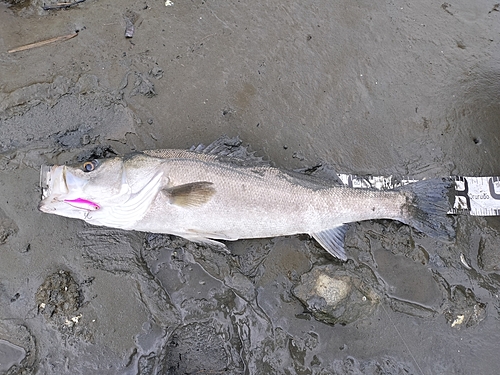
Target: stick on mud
[
  {"x": 44, "y": 42},
  {"x": 63, "y": 5}
]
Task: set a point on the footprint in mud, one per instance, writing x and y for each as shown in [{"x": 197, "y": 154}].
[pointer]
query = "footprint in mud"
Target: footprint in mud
[{"x": 195, "y": 348}]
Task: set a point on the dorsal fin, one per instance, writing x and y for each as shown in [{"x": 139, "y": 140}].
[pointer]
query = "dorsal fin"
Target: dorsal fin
[
  {"x": 226, "y": 147},
  {"x": 223, "y": 146}
]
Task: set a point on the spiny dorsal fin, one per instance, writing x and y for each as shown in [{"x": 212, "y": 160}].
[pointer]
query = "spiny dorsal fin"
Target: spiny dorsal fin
[
  {"x": 223, "y": 146},
  {"x": 232, "y": 149},
  {"x": 193, "y": 194},
  {"x": 224, "y": 150}
]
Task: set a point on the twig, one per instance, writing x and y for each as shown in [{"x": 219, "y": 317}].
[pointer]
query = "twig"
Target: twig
[
  {"x": 62, "y": 5},
  {"x": 44, "y": 42}
]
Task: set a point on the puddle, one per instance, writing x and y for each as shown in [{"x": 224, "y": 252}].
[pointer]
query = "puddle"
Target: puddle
[{"x": 10, "y": 355}]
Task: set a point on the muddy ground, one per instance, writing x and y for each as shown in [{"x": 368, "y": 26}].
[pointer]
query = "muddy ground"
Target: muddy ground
[{"x": 402, "y": 88}]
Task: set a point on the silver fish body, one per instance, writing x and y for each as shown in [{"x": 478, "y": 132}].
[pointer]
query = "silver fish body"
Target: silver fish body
[{"x": 204, "y": 197}]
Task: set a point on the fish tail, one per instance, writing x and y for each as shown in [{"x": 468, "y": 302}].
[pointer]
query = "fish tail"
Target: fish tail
[{"x": 427, "y": 206}]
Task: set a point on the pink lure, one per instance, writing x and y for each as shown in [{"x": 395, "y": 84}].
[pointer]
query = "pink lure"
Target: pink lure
[{"x": 83, "y": 204}]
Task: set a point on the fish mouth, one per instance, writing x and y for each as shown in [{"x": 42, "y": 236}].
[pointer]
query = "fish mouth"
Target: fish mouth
[
  {"x": 56, "y": 184},
  {"x": 52, "y": 185},
  {"x": 47, "y": 182},
  {"x": 53, "y": 180},
  {"x": 45, "y": 179}
]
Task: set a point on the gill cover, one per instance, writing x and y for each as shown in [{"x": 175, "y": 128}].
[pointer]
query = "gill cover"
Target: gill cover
[{"x": 112, "y": 192}]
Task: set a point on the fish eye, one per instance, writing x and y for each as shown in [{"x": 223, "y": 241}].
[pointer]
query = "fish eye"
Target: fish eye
[{"x": 89, "y": 166}]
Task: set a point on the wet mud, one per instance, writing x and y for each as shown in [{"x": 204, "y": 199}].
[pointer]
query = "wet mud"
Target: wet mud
[{"x": 387, "y": 88}]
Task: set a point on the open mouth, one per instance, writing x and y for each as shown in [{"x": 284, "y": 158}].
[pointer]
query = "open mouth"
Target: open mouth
[
  {"x": 56, "y": 180},
  {"x": 45, "y": 178}
]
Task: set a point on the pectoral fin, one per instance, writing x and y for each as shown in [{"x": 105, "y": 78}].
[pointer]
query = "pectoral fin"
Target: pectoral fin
[
  {"x": 332, "y": 240},
  {"x": 194, "y": 194}
]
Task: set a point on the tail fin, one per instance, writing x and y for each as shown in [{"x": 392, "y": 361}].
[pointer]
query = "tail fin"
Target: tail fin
[{"x": 427, "y": 206}]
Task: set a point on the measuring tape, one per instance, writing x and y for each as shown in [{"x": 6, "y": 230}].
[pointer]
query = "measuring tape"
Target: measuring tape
[{"x": 478, "y": 196}]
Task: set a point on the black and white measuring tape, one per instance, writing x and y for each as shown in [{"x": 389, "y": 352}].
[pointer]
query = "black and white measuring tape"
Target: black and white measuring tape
[{"x": 478, "y": 196}]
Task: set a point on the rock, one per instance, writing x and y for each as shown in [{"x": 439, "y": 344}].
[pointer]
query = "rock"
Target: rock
[
  {"x": 465, "y": 310},
  {"x": 335, "y": 297}
]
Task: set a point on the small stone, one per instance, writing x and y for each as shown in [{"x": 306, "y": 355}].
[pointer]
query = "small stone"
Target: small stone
[{"x": 156, "y": 72}]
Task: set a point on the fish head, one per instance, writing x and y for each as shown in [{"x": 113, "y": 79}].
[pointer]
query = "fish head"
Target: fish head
[{"x": 79, "y": 189}]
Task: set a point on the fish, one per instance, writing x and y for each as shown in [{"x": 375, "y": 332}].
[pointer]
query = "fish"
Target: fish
[{"x": 221, "y": 193}]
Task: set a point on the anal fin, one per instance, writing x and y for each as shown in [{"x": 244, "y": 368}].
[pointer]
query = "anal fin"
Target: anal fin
[
  {"x": 209, "y": 242},
  {"x": 332, "y": 240}
]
